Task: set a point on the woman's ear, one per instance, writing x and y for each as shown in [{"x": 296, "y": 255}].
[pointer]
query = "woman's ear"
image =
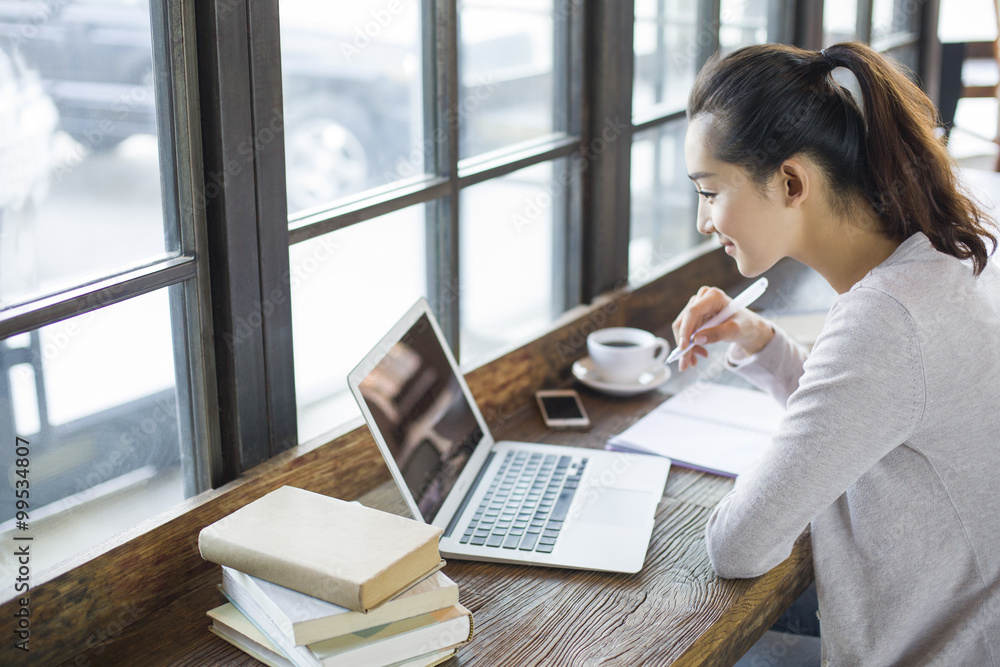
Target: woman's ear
[{"x": 796, "y": 182}]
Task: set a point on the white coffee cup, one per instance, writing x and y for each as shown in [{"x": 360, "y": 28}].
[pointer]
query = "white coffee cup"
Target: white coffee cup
[{"x": 621, "y": 354}]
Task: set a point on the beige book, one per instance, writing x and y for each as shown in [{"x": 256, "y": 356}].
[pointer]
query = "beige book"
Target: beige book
[
  {"x": 304, "y": 619},
  {"x": 341, "y": 552},
  {"x": 232, "y": 626}
]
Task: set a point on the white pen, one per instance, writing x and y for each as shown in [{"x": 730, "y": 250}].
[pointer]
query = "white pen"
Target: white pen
[{"x": 745, "y": 298}]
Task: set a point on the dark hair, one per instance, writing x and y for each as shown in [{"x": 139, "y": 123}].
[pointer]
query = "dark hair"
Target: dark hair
[{"x": 770, "y": 102}]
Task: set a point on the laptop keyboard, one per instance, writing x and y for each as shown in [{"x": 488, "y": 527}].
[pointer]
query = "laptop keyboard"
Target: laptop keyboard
[{"x": 526, "y": 503}]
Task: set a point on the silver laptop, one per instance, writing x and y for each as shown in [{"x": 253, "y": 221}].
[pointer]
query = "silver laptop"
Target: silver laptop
[{"x": 508, "y": 502}]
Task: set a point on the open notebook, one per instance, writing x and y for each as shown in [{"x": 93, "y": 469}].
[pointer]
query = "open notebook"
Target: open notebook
[{"x": 711, "y": 427}]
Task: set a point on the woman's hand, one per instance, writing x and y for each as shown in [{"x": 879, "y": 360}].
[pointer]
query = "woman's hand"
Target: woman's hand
[{"x": 747, "y": 329}]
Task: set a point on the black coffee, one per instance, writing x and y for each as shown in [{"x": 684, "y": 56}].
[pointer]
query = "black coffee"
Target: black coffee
[{"x": 619, "y": 343}]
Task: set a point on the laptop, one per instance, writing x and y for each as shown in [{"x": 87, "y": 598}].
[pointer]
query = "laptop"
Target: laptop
[{"x": 507, "y": 502}]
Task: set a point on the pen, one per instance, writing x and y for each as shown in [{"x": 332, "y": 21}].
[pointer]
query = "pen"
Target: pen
[{"x": 745, "y": 298}]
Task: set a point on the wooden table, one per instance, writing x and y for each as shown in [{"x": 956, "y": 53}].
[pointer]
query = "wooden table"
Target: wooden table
[
  {"x": 144, "y": 601},
  {"x": 674, "y": 611}
]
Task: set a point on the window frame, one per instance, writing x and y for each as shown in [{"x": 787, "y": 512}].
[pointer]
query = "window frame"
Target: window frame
[
  {"x": 448, "y": 174},
  {"x": 184, "y": 272},
  {"x": 224, "y": 86}
]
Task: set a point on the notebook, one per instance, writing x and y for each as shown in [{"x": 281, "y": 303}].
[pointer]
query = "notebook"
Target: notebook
[
  {"x": 712, "y": 427},
  {"x": 511, "y": 502}
]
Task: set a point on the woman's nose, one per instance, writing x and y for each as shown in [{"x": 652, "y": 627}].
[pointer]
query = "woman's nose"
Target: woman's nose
[{"x": 705, "y": 225}]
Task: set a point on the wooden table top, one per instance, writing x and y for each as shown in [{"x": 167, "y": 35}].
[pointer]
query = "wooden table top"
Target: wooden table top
[
  {"x": 152, "y": 592},
  {"x": 674, "y": 611}
]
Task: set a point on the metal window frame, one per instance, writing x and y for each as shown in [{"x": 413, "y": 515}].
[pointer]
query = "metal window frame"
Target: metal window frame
[
  {"x": 240, "y": 72},
  {"x": 610, "y": 30}
]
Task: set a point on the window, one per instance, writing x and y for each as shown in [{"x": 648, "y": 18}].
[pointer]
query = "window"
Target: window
[
  {"x": 841, "y": 22},
  {"x": 895, "y": 28},
  {"x": 672, "y": 41},
  {"x": 439, "y": 137},
  {"x": 901, "y": 28},
  {"x": 102, "y": 367},
  {"x": 209, "y": 211}
]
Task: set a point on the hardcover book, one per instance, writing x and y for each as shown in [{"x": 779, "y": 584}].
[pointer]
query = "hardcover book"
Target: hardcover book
[
  {"x": 232, "y": 626},
  {"x": 304, "y": 619},
  {"x": 341, "y": 552}
]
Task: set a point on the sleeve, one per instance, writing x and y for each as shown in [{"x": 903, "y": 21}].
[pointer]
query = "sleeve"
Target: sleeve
[
  {"x": 775, "y": 369},
  {"x": 860, "y": 395}
]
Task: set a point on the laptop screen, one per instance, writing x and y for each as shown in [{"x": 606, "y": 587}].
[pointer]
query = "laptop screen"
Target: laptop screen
[{"x": 422, "y": 414}]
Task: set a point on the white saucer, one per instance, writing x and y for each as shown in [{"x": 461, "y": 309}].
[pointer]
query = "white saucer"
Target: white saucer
[{"x": 584, "y": 371}]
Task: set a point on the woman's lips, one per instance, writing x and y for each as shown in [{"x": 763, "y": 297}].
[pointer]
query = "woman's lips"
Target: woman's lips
[{"x": 728, "y": 245}]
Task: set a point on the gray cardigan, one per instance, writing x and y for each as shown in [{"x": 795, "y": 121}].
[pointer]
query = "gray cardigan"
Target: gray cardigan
[{"x": 890, "y": 449}]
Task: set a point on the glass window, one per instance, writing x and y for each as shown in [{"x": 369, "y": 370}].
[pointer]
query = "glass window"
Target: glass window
[
  {"x": 894, "y": 16},
  {"x": 840, "y": 22},
  {"x": 111, "y": 400},
  {"x": 79, "y": 157},
  {"x": 508, "y": 240},
  {"x": 96, "y": 398},
  {"x": 352, "y": 84},
  {"x": 664, "y": 205},
  {"x": 348, "y": 288},
  {"x": 743, "y": 22},
  {"x": 666, "y": 55},
  {"x": 507, "y": 82}
]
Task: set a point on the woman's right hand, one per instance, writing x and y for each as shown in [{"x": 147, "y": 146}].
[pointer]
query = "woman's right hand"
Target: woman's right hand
[{"x": 747, "y": 329}]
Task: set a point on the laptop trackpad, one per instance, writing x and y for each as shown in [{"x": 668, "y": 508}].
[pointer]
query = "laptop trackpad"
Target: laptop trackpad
[{"x": 615, "y": 507}]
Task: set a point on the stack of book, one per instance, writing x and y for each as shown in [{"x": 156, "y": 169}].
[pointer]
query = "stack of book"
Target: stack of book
[{"x": 315, "y": 581}]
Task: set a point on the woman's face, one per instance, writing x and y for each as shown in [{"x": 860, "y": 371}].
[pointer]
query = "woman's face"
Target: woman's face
[{"x": 747, "y": 223}]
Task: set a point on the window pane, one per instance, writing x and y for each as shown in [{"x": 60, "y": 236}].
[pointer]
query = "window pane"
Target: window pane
[
  {"x": 507, "y": 83},
  {"x": 96, "y": 398},
  {"x": 894, "y": 16},
  {"x": 79, "y": 162},
  {"x": 664, "y": 206},
  {"x": 352, "y": 82},
  {"x": 348, "y": 288},
  {"x": 666, "y": 53},
  {"x": 909, "y": 57},
  {"x": 744, "y": 22},
  {"x": 840, "y": 22},
  {"x": 508, "y": 234}
]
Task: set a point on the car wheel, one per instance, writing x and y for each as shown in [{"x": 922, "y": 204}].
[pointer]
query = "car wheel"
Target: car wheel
[{"x": 327, "y": 158}]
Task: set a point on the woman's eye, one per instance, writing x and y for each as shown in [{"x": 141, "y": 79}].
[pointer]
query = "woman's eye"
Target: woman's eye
[{"x": 707, "y": 195}]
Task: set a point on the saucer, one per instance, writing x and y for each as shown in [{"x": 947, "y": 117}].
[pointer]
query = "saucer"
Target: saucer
[{"x": 584, "y": 371}]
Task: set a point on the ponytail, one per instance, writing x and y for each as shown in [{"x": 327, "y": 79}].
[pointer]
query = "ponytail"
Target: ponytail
[{"x": 771, "y": 102}]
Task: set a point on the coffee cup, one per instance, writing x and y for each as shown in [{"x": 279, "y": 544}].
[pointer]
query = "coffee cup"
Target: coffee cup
[{"x": 621, "y": 354}]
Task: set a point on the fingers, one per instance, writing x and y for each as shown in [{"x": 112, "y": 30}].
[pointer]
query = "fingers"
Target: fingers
[
  {"x": 726, "y": 331},
  {"x": 690, "y": 359},
  {"x": 700, "y": 307}
]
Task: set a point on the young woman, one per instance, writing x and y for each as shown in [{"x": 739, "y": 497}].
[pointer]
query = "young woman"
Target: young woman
[{"x": 890, "y": 448}]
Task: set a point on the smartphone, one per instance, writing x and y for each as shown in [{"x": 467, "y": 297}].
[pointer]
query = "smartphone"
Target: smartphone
[{"x": 562, "y": 408}]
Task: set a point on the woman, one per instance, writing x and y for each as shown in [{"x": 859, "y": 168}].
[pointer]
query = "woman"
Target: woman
[{"x": 890, "y": 448}]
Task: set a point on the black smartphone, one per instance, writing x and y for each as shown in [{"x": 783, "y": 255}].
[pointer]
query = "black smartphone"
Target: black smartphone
[{"x": 562, "y": 408}]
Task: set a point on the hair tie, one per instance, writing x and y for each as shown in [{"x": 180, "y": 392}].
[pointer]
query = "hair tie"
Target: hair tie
[{"x": 829, "y": 59}]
